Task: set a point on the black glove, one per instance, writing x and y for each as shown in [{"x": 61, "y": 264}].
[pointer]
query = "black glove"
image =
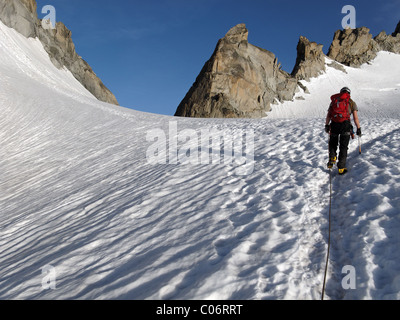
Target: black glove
[
  {"x": 327, "y": 128},
  {"x": 359, "y": 132}
]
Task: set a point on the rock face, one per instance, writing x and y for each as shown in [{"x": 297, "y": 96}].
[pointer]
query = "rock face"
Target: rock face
[
  {"x": 310, "y": 60},
  {"x": 239, "y": 81},
  {"x": 353, "y": 47},
  {"x": 242, "y": 81},
  {"x": 391, "y": 42},
  {"x": 61, "y": 49},
  {"x": 21, "y": 15}
]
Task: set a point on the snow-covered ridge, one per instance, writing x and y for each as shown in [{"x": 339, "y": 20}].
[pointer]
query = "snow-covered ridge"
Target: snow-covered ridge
[{"x": 83, "y": 215}]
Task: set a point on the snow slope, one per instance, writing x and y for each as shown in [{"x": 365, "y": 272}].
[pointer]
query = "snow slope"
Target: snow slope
[
  {"x": 375, "y": 88},
  {"x": 78, "y": 196}
]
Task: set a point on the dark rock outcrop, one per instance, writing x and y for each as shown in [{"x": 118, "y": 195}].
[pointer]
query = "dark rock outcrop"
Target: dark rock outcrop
[
  {"x": 21, "y": 15},
  {"x": 397, "y": 31}
]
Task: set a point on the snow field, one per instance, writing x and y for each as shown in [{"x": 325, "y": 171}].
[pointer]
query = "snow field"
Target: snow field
[
  {"x": 77, "y": 193},
  {"x": 366, "y": 221}
]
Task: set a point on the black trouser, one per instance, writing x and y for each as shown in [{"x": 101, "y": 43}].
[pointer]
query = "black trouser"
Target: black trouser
[{"x": 340, "y": 133}]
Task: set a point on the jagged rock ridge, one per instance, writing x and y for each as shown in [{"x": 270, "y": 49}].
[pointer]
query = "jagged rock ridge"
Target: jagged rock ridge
[
  {"x": 242, "y": 81},
  {"x": 354, "y": 47},
  {"x": 310, "y": 61},
  {"x": 21, "y": 15}
]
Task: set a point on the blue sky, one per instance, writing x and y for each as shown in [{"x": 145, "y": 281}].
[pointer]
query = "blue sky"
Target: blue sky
[{"x": 149, "y": 53}]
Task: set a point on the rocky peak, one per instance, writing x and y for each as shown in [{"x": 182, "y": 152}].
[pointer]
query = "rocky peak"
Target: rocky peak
[
  {"x": 310, "y": 61},
  {"x": 391, "y": 42},
  {"x": 239, "y": 81},
  {"x": 388, "y": 42},
  {"x": 242, "y": 80},
  {"x": 237, "y": 34},
  {"x": 353, "y": 47},
  {"x": 21, "y": 15}
]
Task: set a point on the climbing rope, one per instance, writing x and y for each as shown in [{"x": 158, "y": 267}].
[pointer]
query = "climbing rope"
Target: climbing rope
[{"x": 329, "y": 234}]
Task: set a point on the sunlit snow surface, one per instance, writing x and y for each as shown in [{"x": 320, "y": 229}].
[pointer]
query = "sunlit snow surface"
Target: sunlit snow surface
[{"x": 78, "y": 195}]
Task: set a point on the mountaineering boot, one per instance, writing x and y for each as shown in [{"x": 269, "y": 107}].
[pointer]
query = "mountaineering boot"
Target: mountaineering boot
[
  {"x": 342, "y": 171},
  {"x": 331, "y": 162}
]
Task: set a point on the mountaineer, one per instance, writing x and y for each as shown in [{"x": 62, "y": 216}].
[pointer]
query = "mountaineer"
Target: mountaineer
[{"x": 338, "y": 125}]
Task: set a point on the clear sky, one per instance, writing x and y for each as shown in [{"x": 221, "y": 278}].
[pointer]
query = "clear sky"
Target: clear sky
[{"x": 149, "y": 53}]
